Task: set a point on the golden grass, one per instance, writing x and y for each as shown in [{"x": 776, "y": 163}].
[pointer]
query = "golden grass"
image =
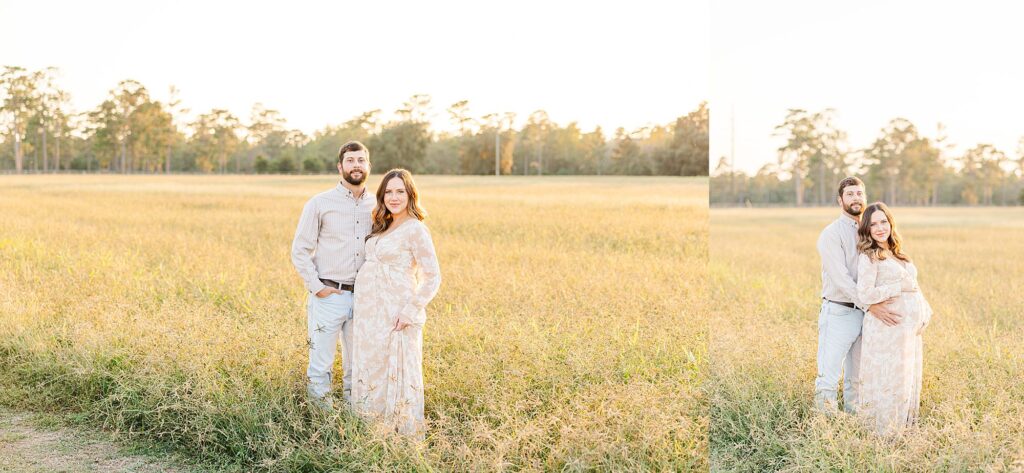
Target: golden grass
[
  {"x": 569, "y": 332},
  {"x": 765, "y": 283}
]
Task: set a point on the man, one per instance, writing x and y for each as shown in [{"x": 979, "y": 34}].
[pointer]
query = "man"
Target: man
[
  {"x": 841, "y": 315},
  {"x": 327, "y": 251}
]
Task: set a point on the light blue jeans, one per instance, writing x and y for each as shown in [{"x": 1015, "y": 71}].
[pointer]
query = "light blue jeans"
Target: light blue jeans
[
  {"x": 327, "y": 318},
  {"x": 838, "y": 355}
]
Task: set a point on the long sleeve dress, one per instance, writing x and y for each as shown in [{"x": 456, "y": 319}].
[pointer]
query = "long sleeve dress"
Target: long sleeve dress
[
  {"x": 891, "y": 357},
  {"x": 400, "y": 276}
]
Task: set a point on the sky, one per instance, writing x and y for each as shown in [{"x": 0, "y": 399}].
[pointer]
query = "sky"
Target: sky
[
  {"x": 958, "y": 63},
  {"x": 598, "y": 63}
]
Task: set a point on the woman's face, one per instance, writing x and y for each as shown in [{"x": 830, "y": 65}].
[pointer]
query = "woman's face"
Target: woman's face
[
  {"x": 880, "y": 226},
  {"x": 395, "y": 197}
]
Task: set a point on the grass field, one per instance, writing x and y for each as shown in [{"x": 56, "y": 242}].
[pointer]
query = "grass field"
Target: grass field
[
  {"x": 569, "y": 333},
  {"x": 765, "y": 283}
]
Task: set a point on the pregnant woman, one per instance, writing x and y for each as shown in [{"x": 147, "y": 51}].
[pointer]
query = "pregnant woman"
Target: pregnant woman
[
  {"x": 890, "y": 363},
  {"x": 392, "y": 288}
]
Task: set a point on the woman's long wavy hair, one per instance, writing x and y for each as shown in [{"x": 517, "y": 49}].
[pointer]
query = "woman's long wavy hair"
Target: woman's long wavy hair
[
  {"x": 866, "y": 243},
  {"x": 382, "y": 217}
]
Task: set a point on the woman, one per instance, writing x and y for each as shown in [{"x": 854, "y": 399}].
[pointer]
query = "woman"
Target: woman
[
  {"x": 890, "y": 362},
  {"x": 392, "y": 288}
]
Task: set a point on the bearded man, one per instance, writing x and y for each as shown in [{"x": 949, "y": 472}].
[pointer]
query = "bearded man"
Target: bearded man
[{"x": 327, "y": 252}]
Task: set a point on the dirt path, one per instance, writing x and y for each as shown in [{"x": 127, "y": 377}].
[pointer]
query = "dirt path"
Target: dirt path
[{"x": 27, "y": 445}]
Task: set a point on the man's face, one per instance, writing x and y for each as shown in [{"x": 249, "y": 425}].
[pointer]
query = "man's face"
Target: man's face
[
  {"x": 354, "y": 169},
  {"x": 852, "y": 200}
]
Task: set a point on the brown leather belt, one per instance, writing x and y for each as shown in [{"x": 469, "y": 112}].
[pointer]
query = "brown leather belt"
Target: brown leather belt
[
  {"x": 337, "y": 285},
  {"x": 844, "y": 304}
]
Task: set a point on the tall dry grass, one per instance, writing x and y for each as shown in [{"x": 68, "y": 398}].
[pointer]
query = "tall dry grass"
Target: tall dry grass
[
  {"x": 765, "y": 283},
  {"x": 569, "y": 333}
]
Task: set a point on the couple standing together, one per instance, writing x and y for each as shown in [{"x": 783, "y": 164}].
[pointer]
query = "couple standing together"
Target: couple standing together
[
  {"x": 865, "y": 271},
  {"x": 370, "y": 268}
]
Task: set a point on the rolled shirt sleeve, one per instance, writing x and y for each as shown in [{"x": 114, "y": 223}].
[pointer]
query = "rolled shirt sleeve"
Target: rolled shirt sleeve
[
  {"x": 834, "y": 267},
  {"x": 304, "y": 245}
]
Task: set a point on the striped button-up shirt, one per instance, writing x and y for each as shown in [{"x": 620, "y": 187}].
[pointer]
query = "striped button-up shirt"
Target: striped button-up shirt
[
  {"x": 837, "y": 246},
  {"x": 329, "y": 240}
]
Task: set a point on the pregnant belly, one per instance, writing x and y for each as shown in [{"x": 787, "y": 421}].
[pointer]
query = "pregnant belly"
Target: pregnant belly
[
  {"x": 374, "y": 274},
  {"x": 911, "y": 306}
]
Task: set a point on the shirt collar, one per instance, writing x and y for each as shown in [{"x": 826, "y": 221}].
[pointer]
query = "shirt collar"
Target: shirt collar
[
  {"x": 848, "y": 220},
  {"x": 344, "y": 191}
]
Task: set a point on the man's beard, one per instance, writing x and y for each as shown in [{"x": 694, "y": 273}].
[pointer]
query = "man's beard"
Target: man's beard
[
  {"x": 355, "y": 182},
  {"x": 856, "y": 213}
]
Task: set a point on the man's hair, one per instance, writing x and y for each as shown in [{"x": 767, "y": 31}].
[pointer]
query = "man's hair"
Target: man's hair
[
  {"x": 352, "y": 146},
  {"x": 850, "y": 181}
]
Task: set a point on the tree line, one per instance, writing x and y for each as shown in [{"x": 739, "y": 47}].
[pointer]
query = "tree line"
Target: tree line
[
  {"x": 132, "y": 131},
  {"x": 901, "y": 167}
]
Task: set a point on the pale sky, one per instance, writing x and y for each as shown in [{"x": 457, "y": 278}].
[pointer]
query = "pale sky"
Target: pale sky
[
  {"x": 598, "y": 63},
  {"x": 959, "y": 63}
]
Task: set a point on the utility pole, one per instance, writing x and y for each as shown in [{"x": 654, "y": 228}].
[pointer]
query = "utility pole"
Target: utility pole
[{"x": 732, "y": 153}]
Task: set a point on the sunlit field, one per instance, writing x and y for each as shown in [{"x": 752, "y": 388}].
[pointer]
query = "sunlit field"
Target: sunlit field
[
  {"x": 765, "y": 283},
  {"x": 569, "y": 333}
]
